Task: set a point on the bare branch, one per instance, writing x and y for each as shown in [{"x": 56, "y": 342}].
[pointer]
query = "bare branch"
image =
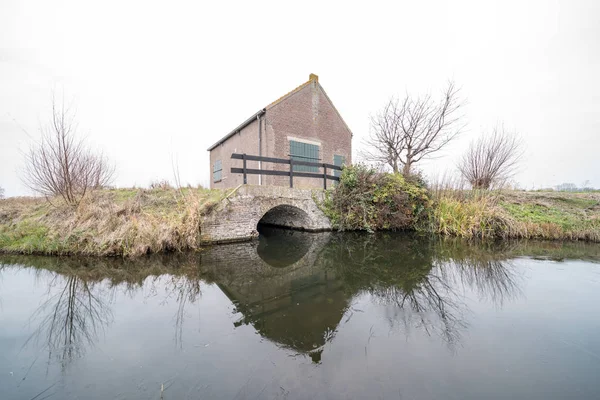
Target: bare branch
[
  {"x": 61, "y": 164},
  {"x": 383, "y": 146},
  {"x": 492, "y": 159},
  {"x": 408, "y": 131}
]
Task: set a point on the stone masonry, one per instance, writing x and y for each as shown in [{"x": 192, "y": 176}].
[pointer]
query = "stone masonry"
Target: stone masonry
[{"x": 236, "y": 217}]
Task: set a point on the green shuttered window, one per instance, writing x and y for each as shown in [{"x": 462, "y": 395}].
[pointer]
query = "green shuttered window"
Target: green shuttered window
[
  {"x": 304, "y": 152},
  {"x": 217, "y": 171},
  {"x": 339, "y": 161}
]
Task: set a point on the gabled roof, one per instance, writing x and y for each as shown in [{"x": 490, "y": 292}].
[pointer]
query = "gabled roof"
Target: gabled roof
[
  {"x": 311, "y": 78},
  {"x": 239, "y": 128}
]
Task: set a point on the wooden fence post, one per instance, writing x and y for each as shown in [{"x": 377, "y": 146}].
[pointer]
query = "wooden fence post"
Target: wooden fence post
[
  {"x": 244, "y": 159},
  {"x": 291, "y": 172}
]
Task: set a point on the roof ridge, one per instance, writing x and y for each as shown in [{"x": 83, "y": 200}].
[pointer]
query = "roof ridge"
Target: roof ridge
[
  {"x": 291, "y": 92},
  {"x": 311, "y": 78}
]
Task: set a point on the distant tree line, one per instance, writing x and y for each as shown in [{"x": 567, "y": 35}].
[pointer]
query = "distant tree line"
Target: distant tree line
[{"x": 571, "y": 187}]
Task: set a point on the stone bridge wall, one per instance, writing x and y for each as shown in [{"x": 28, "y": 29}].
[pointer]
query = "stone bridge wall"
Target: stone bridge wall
[{"x": 237, "y": 216}]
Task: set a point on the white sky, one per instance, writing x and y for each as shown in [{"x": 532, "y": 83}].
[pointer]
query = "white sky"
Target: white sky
[{"x": 152, "y": 81}]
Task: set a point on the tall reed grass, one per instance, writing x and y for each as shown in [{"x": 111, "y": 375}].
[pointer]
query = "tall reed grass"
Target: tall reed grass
[{"x": 462, "y": 212}]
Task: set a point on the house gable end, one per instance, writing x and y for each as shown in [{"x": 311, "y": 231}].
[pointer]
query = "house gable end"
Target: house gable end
[
  {"x": 304, "y": 123},
  {"x": 313, "y": 78},
  {"x": 335, "y": 109}
]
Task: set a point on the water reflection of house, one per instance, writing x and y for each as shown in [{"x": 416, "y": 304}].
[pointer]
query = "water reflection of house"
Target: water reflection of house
[
  {"x": 301, "y": 313},
  {"x": 281, "y": 289}
]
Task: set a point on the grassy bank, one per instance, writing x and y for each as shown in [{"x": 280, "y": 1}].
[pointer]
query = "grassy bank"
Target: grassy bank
[
  {"x": 365, "y": 200},
  {"x": 517, "y": 214},
  {"x": 118, "y": 222},
  {"x": 133, "y": 222}
]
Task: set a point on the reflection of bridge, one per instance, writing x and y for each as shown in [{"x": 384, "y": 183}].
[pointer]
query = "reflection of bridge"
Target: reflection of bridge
[
  {"x": 236, "y": 217},
  {"x": 287, "y": 295}
]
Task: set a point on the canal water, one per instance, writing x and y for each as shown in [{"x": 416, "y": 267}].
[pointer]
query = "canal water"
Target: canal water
[{"x": 307, "y": 316}]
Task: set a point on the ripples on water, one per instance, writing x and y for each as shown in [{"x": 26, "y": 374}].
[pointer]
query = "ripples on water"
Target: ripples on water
[{"x": 297, "y": 315}]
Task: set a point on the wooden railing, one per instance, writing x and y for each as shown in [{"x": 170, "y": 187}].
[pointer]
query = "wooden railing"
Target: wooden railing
[{"x": 291, "y": 173}]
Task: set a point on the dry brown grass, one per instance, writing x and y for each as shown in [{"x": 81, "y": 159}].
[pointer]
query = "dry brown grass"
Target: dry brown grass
[
  {"x": 117, "y": 222},
  {"x": 517, "y": 214},
  {"x": 133, "y": 222}
]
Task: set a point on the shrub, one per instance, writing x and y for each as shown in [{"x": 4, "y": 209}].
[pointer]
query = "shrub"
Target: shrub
[{"x": 368, "y": 200}]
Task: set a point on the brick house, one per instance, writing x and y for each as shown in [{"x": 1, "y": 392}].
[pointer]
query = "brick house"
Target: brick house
[{"x": 303, "y": 124}]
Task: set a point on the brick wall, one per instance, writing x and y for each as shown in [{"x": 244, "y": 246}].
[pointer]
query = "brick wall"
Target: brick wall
[
  {"x": 246, "y": 141},
  {"x": 306, "y": 114}
]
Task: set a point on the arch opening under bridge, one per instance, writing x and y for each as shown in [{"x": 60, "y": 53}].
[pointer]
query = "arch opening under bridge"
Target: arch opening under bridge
[
  {"x": 240, "y": 215},
  {"x": 285, "y": 216}
]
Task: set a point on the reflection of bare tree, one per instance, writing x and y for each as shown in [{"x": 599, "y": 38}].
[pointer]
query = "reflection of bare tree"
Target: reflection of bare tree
[
  {"x": 71, "y": 319},
  {"x": 184, "y": 289},
  {"x": 432, "y": 306},
  {"x": 176, "y": 276},
  {"x": 423, "y": 281},
  {"x": 493, "y": 279},
  {"x": 398, "y": 273},
  {"x": 2, "y": 266}
]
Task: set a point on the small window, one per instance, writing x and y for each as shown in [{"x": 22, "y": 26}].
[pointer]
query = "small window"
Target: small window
[
  {"x": 217, "y": 171},
  {"x": 304, "y": 152},
  {"x": 339, "y": 161}
]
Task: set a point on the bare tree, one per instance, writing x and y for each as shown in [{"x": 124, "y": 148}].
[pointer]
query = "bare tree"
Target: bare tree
[
  {"x": 61, "y": 164},
  {"x": 384, "y": 144},
  {"x": 492, "y": 159},
  {"x": 407, "y": 131}
]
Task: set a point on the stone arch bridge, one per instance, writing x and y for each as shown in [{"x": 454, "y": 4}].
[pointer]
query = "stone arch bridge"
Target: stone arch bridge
[{"x": 237, "y": 216}]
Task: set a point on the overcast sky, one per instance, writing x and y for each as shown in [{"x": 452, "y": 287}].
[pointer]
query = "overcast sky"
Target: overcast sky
[{"x": 151, "y": 81}]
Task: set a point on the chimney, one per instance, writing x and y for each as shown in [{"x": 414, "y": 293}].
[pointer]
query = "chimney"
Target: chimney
[{"x": 313, "y": 77}]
